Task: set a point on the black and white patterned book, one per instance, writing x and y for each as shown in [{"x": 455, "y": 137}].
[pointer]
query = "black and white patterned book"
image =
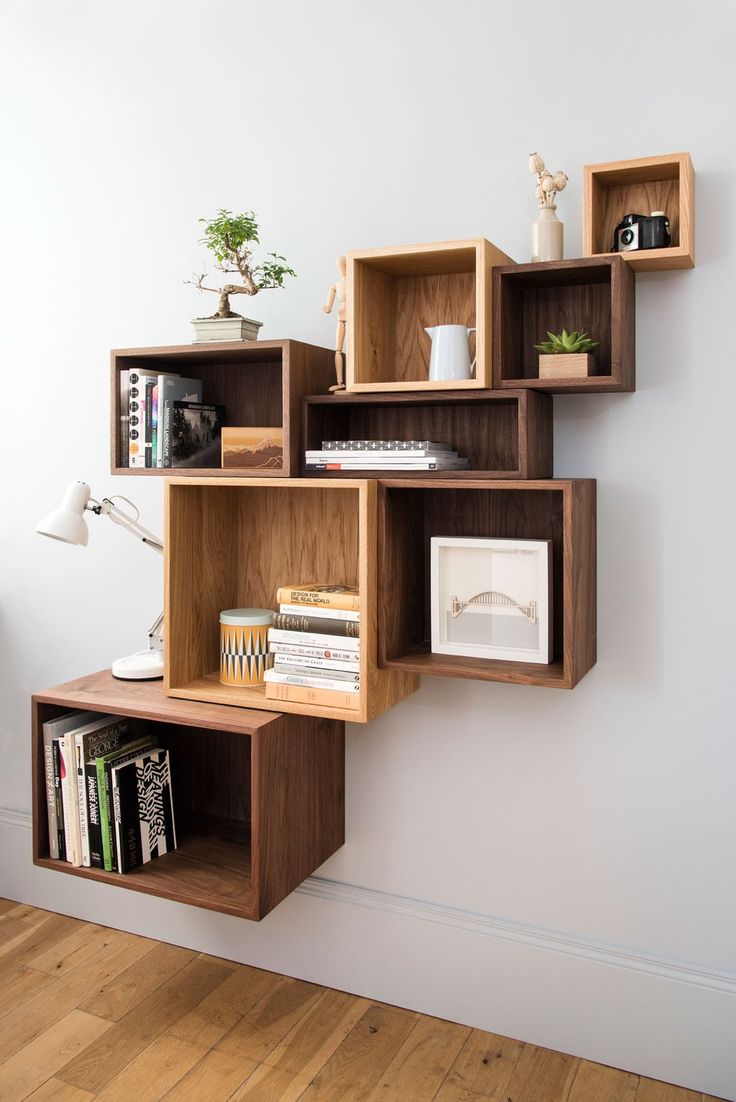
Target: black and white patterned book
[
  {"x": 144, "y": 810},
  {"x": 384, "y": 445}
]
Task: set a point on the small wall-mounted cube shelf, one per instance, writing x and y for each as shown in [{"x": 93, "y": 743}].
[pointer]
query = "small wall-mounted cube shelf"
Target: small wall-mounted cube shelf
[
  {"x": 504, "y": 434},
  {"x": 260, "y": 383},
  {"x": 259, "y": 798},
  {"x": 394, "y": 293},
  {"x": 639, "y": 187},
  {"x": 560, "y": 510},
  {"x": 230, "y": 543},
  {"x": 594, "y": 294}
]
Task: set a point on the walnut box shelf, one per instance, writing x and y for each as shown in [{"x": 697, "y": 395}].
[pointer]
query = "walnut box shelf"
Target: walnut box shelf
[
  {"x": 259, "y": 797},
  {"x": 560, "y": 510},
  {"x": 641, "y": 186},
  {"x": 394, "y": 293},
  {"x": 230, "y": 543},
  {"x": 504, "y": 434},
  {"x": 595, "y": 295},
  {"x": 260, "y": 383}
]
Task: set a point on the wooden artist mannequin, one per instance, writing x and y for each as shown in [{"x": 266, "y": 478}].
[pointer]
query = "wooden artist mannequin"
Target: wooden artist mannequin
[{"x": 338, "y": 290}]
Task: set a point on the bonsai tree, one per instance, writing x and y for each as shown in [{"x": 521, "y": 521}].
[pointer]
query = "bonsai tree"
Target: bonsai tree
[
  {"x": 230, "y": 238},
  {"x": 567, "y": 343}
]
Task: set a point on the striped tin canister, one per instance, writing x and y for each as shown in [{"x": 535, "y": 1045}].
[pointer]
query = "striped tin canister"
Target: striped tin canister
[{"x": 244, "y": 656}]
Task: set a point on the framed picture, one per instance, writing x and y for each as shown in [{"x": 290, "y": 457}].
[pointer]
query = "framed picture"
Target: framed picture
[
  {"x": 492, "y": 598},
  {"x": 253, "y": 447}
]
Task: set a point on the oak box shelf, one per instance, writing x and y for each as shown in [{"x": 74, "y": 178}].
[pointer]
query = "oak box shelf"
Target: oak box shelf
[
  {"x": 394, "y": 293},
  {"x": 260, "y": 384},
  {"x": 230, "y": 543},
  {"x": 259, "y": 797},
  {"x": 560, "y": 510},
  {"x": 504, "y": 434}
]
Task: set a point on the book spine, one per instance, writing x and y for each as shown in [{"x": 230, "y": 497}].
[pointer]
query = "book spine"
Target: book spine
[
  {"x": 283, "y": 621},
  {"x": 104, "y": 815},
  {"x": 123, "y": 454},
  {"x": 69, "y": 800},
  {"x": 127, "y": 825},
  {"x": 316, "y": 682},
  {"x": 155, "y": 806},
  {"x": 136, "y": 413},
  {"x": 292, "y": 595},
  {"x": 81, "y": 781},
  {"x": 316, "y": 663},
  {"x": 166, "y": 442},
  {"x": 96, "y": 859},
  {"x": 58, "y": 802},
  {"x": 312, "y": 639},
  {"x": 321, "y": 698},
  {"x": 384, "y": 465},
  {"x": 53, "y": 822},
  {"x": 148, "y": 421},
  {"x": 349, "y": 658},
  {"x": 285, "y": 663},
  {"x": 369, "y": 454},
  {"x": 322, "y": 613},
  {"x": 154, "y": 426}
]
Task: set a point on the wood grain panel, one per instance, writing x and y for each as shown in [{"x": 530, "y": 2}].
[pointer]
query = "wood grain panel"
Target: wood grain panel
[
  {"x": 594, "y": 1081},
  {"x": 542, "y": 1075},
  {"x": 423, "y": 301},
  {"x": 51, "y": 1050}
]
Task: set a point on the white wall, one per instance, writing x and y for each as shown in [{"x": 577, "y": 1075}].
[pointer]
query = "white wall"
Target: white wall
[{"x": 557, "y": 867}]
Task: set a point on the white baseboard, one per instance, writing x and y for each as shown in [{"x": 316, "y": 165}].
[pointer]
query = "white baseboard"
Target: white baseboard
[{"x": 664, "y": 1018}]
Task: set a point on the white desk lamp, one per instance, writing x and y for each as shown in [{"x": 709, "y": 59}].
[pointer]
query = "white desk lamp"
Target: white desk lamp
[{"x": 67, "y": 524}]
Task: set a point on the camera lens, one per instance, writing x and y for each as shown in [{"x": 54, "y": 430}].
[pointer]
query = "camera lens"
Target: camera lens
[{"x": 627, "y": 236}]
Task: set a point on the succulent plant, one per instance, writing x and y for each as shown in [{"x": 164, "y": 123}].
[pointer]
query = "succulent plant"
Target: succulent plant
[{"x": 567, "y": 343}]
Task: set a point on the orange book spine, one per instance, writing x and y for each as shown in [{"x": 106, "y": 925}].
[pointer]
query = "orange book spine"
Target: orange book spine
[
  {"x": 320, "y": 698},
  {"x": 317, "y": 598}
]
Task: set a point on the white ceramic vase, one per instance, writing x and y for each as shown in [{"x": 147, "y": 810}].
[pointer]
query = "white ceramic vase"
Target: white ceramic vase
[{"x": 547, "y": 235}]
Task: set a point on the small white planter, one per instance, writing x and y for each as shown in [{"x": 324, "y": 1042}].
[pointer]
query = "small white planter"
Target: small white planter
[{"x": 225, "y": 329}]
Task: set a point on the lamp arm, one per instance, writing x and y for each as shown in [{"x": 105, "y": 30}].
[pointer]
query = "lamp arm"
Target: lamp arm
[{"x": 107, "y": 508}]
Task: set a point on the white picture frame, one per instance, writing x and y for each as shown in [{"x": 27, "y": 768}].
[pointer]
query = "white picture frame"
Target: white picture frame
[{"x": 492, "y": 598}]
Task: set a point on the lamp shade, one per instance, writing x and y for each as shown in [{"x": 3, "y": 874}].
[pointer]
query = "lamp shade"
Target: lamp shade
[{"x": 67, "y": 523}]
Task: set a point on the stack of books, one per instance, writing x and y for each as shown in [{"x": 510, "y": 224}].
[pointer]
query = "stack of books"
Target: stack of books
[
  {"x": 165, "y": 423},
  {"x": 108, "y": 792},
  {"x": 315, "y": 641},
  {"x": 384, "y": 455}
]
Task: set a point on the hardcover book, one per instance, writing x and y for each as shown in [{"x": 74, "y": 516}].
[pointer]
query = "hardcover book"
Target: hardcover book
[
  {"x": 333, "y": 654},
  {"x": 305, "y": 694},
  {"x": 143, "y": 809},
  {"x": 54, "y": 729},
  {"x": 285, "y": 621},
  {"x": 320, "y": 612},
  {"x": 137, "y": 384},
  {"x": 103, "y": 767},
  {"x": 385, "y": 445},
  {"x": 99, "y": 737},
  {"x": 312, "y": 639},
  {"x": 307, "y": 661},
  {"x": 253, "y": 447},
  {"x": 323, "y": 596},
  {"x": 172, "y": 388},
  {"x": 194, "y": 433},
  {"x": 290, "y": 665}
]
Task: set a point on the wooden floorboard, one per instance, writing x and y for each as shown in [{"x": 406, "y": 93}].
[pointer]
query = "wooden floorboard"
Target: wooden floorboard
[{"x": 89, "y": 1014}]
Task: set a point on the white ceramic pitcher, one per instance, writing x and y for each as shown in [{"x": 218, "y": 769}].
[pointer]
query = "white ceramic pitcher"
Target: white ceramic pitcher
[{"x": 450, "y": 357}]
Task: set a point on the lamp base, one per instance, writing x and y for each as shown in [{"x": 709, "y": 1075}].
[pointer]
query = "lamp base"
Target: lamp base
[{"x": 145, "y": 665}]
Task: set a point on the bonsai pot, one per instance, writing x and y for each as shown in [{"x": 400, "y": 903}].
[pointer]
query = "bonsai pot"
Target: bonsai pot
[
  {"x": 225, "y": 329},
  {"x": 571, "y": 365}
]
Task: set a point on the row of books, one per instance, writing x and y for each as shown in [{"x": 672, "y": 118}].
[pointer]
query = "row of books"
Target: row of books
[
  {"x": 108, "y": 792},
  {"x": 165, "y": 423},
  {"x": 384, "y": 455},
  {"x": 315, "y": 643}
]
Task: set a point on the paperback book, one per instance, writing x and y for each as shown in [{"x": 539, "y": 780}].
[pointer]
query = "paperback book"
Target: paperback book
[
  {"x": 318, "y": 697},
  {"x": 143, "y": 809},
  {"x": 318, "y": 611},
  {"x": 53, "y": 729},
  {"x": 192, "y": 431},
  {"x": 103, "y": 766},
  {"x": 310, "y": 662},
  {"x": 320, "y": 596},
  {"x": 102, "y": 736},
  {"x": 284, "y": 621},
  {"x": 313, "y": 639},
  {"x": 282, "y": 664},
  {"x": 336, "y": 654}
]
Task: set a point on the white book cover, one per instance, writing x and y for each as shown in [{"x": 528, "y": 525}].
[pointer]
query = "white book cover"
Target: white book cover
[
  {"x": 52, "y": 729},
  {"x": 70, "y": 800},
  {"x": 316, "y": 663},
  {"x": 316, "y": 682},
  {"x": 104, "y": 734},
  {"x": 313, "y": 639},
  {"x": 335, "y": 654},
  {"x": 319, "y": 611},
  {"x": 137, "y": 417}
]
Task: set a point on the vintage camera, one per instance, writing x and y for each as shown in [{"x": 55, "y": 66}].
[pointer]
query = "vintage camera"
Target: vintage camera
[{"x": 642, "y": 231}]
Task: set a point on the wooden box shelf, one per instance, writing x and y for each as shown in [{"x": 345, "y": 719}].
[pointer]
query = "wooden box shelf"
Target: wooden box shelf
[
  {"x": 260, "y": 383},
  {"x": 595, "y": 295},
  {"x": 504, "y": 434},
  {"x": 259, "y": 796},
  {"x": 394, "y": 293},
  {"x": 411, "y": 512},
  {"x": 641, "y": 186},
  {"x": 230, "y": 543}
]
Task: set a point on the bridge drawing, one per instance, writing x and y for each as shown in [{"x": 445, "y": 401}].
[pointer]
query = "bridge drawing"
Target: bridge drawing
[{"x": 493, "y": 598}]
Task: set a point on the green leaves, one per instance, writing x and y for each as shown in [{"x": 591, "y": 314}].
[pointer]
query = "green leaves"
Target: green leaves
[
  {"x": 229, "y": 236},
  {"x": 567, "y": 343}
]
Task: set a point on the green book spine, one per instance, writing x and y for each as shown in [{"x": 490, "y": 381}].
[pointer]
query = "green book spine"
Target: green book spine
[{"x": 104, "y": 815}]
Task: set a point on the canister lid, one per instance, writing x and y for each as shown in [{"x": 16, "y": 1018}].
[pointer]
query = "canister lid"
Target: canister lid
[{"x": 246, "y": 616}]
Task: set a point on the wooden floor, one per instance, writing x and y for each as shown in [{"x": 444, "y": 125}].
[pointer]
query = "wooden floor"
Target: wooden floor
[{"x": 92, "y": 1013}]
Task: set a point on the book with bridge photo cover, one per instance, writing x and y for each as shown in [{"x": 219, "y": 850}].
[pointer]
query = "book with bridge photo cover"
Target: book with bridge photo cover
[{"x": 492, "y": 598}]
